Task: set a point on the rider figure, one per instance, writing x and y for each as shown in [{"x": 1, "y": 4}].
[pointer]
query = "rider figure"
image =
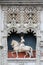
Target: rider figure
[{"x": 22, "y": 41}]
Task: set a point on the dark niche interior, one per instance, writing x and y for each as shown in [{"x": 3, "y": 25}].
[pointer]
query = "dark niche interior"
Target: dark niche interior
[{"x": 30, "y": 39}]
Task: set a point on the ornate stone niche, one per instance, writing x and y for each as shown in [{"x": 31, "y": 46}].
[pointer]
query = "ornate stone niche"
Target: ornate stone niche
[
  {"x": 18, "y": 37},
  {"x": 21, "y": 19}
]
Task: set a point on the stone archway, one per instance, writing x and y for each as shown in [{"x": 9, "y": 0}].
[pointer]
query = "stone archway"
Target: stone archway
[
  {"x": 30, "y": 33},
  {"x": 5, "y": 50}
]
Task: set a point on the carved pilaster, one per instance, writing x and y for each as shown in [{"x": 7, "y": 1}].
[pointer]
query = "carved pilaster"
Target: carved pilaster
[
  {"x": 38, "y": 50},
  {"x": 4, "y": 53},
  {"x": 5, "y": 49}
]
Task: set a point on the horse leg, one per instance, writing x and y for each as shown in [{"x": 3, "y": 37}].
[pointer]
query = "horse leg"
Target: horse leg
[
  {"x": 17, "y": 54},
  {"x": 12, "y": 53},
  {"x": 30, "y": 53},
  {"x": 25, "y": 55}
]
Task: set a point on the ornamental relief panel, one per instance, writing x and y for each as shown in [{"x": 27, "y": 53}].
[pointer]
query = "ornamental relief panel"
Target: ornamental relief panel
[
  {"x": 25, "y": 12},
  {"x": 22, "y": 17}
]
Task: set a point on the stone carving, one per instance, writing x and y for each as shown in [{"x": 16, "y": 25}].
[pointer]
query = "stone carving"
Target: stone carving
[
  {"x": 20, "y": 47},
  {"x": 22, "y": 26},
  {"x": 22, "y": 18}
]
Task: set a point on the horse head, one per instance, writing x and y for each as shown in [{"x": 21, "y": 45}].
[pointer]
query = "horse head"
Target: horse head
[{"x": 14, "y": 42}]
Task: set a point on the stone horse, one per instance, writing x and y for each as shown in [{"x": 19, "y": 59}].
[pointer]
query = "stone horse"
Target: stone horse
[{"x": 17, "y": 47}]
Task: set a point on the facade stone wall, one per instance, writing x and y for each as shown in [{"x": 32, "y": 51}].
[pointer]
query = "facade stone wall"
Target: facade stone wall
[{"x": 33, "y": 21}]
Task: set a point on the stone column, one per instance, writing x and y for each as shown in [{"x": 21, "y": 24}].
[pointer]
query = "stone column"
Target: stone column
[
  {"x": 1, "y": 47},
  {"x": 3, "y": 39},
  {"x": 38, "y": 51},
  {"x": 5, "y": 50}
]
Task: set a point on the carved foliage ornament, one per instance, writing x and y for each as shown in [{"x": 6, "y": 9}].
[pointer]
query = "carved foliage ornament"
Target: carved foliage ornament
[{"x": 21, "y": 18}]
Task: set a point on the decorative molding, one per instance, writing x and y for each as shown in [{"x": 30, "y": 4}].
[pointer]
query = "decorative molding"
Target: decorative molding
[
  {"x": 21, "y": 59},
  {"x": 22, "y": 18},
  {"x": 21, "y": 2}
]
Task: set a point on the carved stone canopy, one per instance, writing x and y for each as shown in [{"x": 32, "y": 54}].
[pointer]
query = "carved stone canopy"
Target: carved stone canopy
[{"x": 22, "y": 18}]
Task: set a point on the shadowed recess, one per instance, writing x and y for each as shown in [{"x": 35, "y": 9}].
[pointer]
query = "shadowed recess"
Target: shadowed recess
[{"x": 30, "y": 39}]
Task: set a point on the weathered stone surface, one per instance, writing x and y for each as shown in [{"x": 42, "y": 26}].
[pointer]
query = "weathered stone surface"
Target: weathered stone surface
[
  {"x": 4, "y": 32},
  {"x": 21, "y": 1}
]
